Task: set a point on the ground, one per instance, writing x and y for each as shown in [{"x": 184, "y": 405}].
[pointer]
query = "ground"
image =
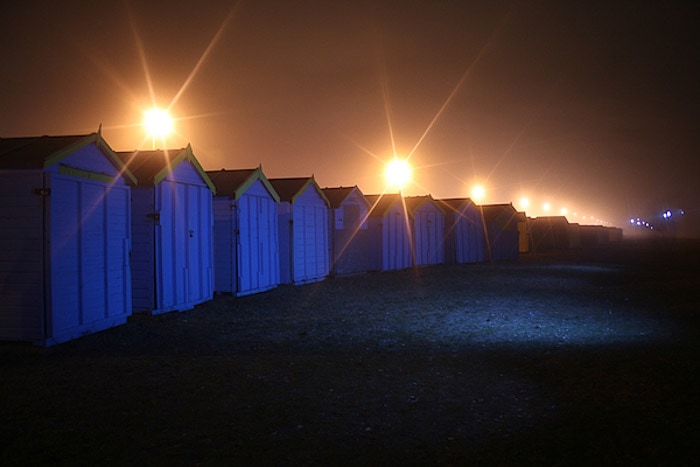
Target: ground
[{"x": 557, "y": 360}]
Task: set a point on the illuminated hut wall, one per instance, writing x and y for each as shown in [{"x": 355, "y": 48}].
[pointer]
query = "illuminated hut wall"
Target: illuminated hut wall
[
  {"x": 304, "y": 246},
  {"x": 172, "y": 230},
  {"x": 389, "y": 233},
  {"x": 348, "y": 230},
  {"x": 465, "y": 240},
  {"x": 65, "y": 238},
  {"x": 428, "y": 230},
  {"x": 246, "y": 252},
  {"x": 501, "y": 222}
]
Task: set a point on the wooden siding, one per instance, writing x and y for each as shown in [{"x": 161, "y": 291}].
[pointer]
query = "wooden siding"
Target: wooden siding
[
  {"x": 89, "y": 257},
  {"x": 349, "y": 235},
  {"x": 310, "y": 227},
  {"x": 184, "y": 276},
  {"x": 257, "y": 253},
  {"x": 225, "y": 249},
  {"x": 428, "y": 235},
  {"x": 21, "y": 256},
  {"x": 143, "y": 232},
  {"x": 390, "y": 240}
]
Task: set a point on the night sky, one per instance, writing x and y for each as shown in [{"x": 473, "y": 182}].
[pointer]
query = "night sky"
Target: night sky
[{"x": 593, "y": 107}]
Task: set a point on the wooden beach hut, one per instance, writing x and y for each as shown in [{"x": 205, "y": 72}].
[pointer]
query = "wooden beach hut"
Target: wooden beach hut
[
  {"x": 172, "y": 230},
  {"x": 65, "y": 238},
  {"x": 502, "y": 234},
  {"x": 465, "y": 240},
  {"x": 348, "y": 230},
  {"x": 303, "y": 230},
  {"x": 428, "y": 230},
  {"x": 549, "y": 233},
  {"x": 246, "y": 244},
  {"x": 389, "y": 233}
]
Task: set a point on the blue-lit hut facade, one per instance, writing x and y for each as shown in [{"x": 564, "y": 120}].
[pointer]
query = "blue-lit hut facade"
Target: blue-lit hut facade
[
  {"x": 390, "y": 231},
  {"x": 304, "y": 246},
  {"x": 465, "y": 240},
  {"x": 348, "y": 230},
  {"x": 428, "y": 230},
  {"x": 172, "y": 230},
  {"x": 65, "y": 239},
  {"x": 501, "y": 223},
  {"x": 246, "y": 243}
]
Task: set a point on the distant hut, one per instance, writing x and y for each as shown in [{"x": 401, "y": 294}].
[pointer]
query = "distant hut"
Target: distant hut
[
  {"x": 65, "y": 239},
  {"x": 465, "y": 240},
  {"x": 501, "y": 223},
  {"x": 389, "y": 233},
  {"x": 428, "y": 230},
  {"x": 172, "y": 230},
  {"x": 246, "y": 245},
  {"x": 549, "y": 233},
  {"x": 348, "y": 227},
  {"x": 303, "y": 230}
]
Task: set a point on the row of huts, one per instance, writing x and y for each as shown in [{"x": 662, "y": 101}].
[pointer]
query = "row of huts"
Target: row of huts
[{"x": 89, "y": 235}]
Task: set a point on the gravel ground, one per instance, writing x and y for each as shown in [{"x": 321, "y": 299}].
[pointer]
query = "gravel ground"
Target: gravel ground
[{"x": 567, "y": 360}]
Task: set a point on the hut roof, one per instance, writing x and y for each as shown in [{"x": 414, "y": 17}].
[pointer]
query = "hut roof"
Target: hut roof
[
  {"x": 336, "y": 195},
  {"x": 289, "y": 188},
  {"x": 151, "y": 167},
  {"x": 38, "y": 152},
  {"x": 235, "y": 182},
  {"x": 382, "y": 204}
]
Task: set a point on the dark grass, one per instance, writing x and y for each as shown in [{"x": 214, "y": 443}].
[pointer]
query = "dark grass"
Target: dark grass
[{"x": 566, "y": 360}]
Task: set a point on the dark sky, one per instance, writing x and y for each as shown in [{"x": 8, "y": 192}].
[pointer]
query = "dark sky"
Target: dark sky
[{"x": 592, "y": 107}]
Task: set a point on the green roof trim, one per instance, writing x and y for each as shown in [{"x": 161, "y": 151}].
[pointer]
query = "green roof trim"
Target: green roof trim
[
  {"x": 185, "y": 154},
  {"x": 80, "y": 173},
  {"x": 100, "y": 143},
  {"x": 310, "y": 181},
  {"x": 257, "y": 175}
]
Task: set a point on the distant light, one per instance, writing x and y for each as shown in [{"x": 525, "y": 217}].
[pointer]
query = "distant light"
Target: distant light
[
  {"x": 524, "y": 202},
  {"x": 478, "y": 193},
  {"x": 631, "y": 221},
  {"x": 668, "y": 214},
  {"x": 546, "y": 206},
  {"x": 398, "y": 172},
  {"x": 682, "y": 211},
  {"x": 563, "y": 211},
  {"x": 158, "y": 123}
]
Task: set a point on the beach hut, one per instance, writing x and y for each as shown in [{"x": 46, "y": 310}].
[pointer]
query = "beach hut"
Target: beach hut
[
  {"x": 303, "y": 230},
  {"x": 502, "y": 235},
  {"x": 65, "y": 238},
  {"x": 549, "y": 233},
  {"x": 389, "y": 232},
  {"x": 172, "y": 230},
  {"x": 428, "y": 230},
  {"x": 348, "y": 228},
  {"x": 465, "y": 240},
  {"x": 246, "y": 250}
]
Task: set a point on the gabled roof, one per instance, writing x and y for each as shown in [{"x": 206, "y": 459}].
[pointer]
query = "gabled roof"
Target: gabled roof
[
  {"x": 550, "y": 219},
  {"x": 382, "y": 204},
  {"x": 151, "y": 167},
  {"x": 234, "y": 183},
  {"x": 415, "y": 202},
  {"x": 337, "y": 195},
  {"x": 455, "y": 204},
  {"x": 40, "y": 152},
  {"x": 494, "y": 211},
  {"x": 289, "y": 188}
]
